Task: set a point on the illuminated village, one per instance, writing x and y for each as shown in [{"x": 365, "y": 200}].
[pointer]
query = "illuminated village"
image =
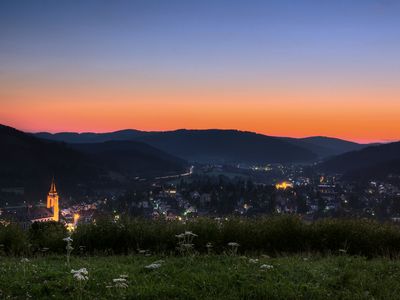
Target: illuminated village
[{"x": 203, "y": 194}]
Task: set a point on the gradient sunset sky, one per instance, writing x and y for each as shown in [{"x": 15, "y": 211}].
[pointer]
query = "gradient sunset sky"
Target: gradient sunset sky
[{"x": 286, "y": 68}]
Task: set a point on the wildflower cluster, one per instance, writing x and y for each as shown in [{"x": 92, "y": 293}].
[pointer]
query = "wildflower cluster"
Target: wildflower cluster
[
  {"x": 266, "y": 267},
  {"x": 44, "y": 250},
  {"x": 121, "y": 282},
  {"x": 155, "y": 265},
  {"x": 81, "y": 274},
  {"x": 185, "y": 242},
  {"x": 263, "y": 267}
]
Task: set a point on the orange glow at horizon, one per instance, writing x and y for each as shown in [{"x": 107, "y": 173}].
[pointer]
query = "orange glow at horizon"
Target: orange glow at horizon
[
  {"x": 279, "y": 68},
  {"x": 349, "y": 114}
]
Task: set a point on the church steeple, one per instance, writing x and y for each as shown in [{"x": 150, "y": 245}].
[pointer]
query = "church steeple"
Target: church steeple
[
  {"x": 53, "y": 189},
  {"x": 52, "y": 200}
]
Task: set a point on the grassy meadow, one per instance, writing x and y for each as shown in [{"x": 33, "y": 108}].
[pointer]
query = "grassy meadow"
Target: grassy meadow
[
  {"x": 201, "y": 277},
  {"x": 265, "y": 258}
]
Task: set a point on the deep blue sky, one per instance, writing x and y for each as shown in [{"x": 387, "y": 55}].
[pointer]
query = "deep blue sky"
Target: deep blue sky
[{"x": 196, "y": 38}]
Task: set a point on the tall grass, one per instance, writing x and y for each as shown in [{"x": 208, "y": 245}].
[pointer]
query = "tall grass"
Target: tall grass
[
  {"x": 272, "y": 236},
  {"x": 201, "y": 277}
]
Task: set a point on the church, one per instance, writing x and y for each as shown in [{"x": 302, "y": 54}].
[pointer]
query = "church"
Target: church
[
  {"x": 52, "y": 201},
  {"x": 49, "y": 213},
  {"x": 26, "y": 215}
]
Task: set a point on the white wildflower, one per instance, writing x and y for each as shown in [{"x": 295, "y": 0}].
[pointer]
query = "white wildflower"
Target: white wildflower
[
  {"x": 69, "y": 248},
  {"x": 209, "y": 247},
  {"x": 24, "y": 261},
  {"x": 120, "y": 282},
  {"x": 68, "y": 239},
  {"x": 160, "y": 261},
  {"x": 121, "y": 285},
  {"x": 80, "y": 277},
  {"x": 234, "y": 247},
  {"x": 185, "y": 245},
  {"x": 253, "y": 260},
  {"x": 82, "y": 270},
  {"x": 153, "y": 266},
  {"x": 189, "y": 233},
  {"x": 81, "y": 274},
  {"x": 266, "y": 267}
]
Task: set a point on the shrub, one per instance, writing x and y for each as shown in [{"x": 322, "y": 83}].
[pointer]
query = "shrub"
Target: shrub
[
  {"x": 13, "y": 240},
  {"x": 47, "y": 235},
  {"x": 272, "y": 235},
  {"x": 269, "y": 235}
]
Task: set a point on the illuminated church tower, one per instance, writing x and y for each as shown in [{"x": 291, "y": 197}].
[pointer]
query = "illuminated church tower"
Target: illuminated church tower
[{"x": 52, "y": 201}]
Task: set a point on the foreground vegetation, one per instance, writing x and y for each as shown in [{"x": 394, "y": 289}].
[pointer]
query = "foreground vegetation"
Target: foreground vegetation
[
  {"x": 201, "y": 277},
  {"x": 272, "y": 236},
  {"x": 266, "y": 258}
]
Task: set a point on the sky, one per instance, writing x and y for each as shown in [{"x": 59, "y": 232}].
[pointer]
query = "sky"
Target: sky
[{"x": 284, "y": 68}]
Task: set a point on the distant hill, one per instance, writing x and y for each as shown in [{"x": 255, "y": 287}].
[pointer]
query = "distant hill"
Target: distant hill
[
  {"x": 89, "y": 137},
  {"x": 216, "y": 146},
  {"x": 388, "y": 171},
  {"x": 227, "y": 146},
  {"x": 326, "y": 146},
  {"x": 380, "y": 160},
  {"x": 30, "y": 162},
  {"x": 131, "y": 157}
]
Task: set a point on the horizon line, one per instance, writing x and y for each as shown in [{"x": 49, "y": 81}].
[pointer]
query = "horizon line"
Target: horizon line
[{"x": 358, "y": 141}]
